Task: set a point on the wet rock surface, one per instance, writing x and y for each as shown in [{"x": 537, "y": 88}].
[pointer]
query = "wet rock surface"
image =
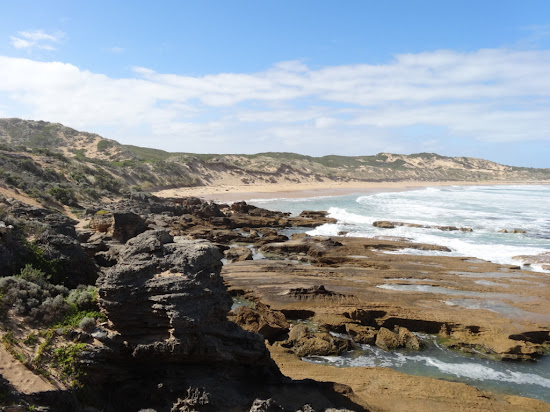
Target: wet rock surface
[{"x": 466, "y": 306}]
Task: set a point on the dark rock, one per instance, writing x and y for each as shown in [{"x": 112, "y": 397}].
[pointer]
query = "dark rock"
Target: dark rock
[
  {"x": 169, "y": 306},
  {"x": 313, "y": 214},
  {"x": 267, "y": 405},
  {"x": 127, "y": 225},
  {"x": 120, "y": 225},
  {"x": 310, "y": 293},
  {"x": 196, "y": 400},
  {"x": 72, "y": 264},
  {"x": 209, "y": 210}
]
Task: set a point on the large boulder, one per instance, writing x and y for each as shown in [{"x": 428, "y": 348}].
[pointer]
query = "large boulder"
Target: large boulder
[
  {"x": 168, "y": 307},
  {"x": 68, "y": 259},
  {"x": 168, "y": 299}
]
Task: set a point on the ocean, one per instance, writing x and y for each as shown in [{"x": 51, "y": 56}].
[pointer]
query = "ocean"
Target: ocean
[
  {"x": 485, "y": 209},
  {"x": 488, "y": 211}
]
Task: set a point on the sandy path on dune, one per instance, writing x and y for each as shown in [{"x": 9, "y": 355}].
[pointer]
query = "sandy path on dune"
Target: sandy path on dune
[{"x": 19, "y": 376}]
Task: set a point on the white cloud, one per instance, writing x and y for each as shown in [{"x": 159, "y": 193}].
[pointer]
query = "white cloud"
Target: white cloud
[
  {"x": 36, "y": 39},
  {"x": 492, "y": 96}
]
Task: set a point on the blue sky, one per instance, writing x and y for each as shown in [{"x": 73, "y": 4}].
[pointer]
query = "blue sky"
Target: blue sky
[{"x": 460, "y": 78}]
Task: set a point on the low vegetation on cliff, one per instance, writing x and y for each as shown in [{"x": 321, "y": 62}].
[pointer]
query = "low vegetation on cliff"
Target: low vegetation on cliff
[{"x": 54, "y": 163}]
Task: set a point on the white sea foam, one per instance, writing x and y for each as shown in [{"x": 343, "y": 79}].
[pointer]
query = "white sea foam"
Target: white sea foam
[
  {"x": 342, "y": 215},
  {"x": 328, "y": 229},
  {"x": 375, "y": 357},
  {"x": 480, "y": 372},
  {"x": 485, "y": 209}
]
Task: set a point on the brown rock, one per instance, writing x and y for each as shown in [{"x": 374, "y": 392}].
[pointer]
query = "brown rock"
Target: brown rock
[
  {"x": 102, "y": 222},
  {"x": 304, "y": 342},
  {"x": 384, "y": 224},
  {"x": 408, "y": 339},
  {"x": 238, "y": 254},
  {"x": 269, "y": 323},
  {"x": 518, "y": 231},
  {"x": 387, "y": 340},
  {"x": 361, "y": 334}
]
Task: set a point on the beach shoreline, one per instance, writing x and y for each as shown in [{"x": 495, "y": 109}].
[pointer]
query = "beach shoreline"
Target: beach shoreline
[{"x": 235, "y": 193}]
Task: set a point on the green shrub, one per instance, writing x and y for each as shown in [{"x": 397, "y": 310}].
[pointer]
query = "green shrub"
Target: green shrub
[
  {"x": 104, "y": 145},
  {"x": 75, "y": 317},
  {"x": 87, "y": 324},
  {"x": 31, "y": 340},
  {"x": 66, "y": 358},
  {"x": 31, "y": 274},
  {"x": 108, "y": 183},
  {"x": 83, "y": 298},
  {"x": 42, "y": 302},
  {"x": 63, "y": 195}
]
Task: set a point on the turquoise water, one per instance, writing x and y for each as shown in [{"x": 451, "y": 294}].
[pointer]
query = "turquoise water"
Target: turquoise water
[
  {"x": 517, "y": 378},
  {"x": 485, "y": 209}
]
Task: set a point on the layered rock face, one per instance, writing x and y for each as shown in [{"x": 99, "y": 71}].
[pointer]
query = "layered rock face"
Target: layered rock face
[
  {"x": 168, "y": 307},
  {"x": 167, "y": 299},
  {"x": 168, "y": 345}
]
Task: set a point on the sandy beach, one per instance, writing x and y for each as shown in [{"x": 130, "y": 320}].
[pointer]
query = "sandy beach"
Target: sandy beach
[{"x": 233, "y": 193}]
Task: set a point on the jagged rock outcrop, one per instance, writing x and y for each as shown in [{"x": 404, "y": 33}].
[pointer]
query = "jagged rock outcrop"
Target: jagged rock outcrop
[
  {"x": 168, "y": 299},
  {"x": 170, "y": 345},
  {"x": 168, "y": 308}
]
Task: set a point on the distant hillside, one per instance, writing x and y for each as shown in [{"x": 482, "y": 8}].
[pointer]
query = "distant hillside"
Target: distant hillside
[{"x": 55, "y": 163}]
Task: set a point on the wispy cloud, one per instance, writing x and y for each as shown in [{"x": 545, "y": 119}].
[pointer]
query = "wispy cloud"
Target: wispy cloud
[
  {"x": 491, "y": 96},
  {"x": 535, "y": 35},
  {"x": 115, "y": 49},
  {"x": 36, "y": 39}
]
